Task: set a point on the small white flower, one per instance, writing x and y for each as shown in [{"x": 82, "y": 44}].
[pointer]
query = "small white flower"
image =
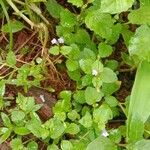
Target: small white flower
[
  {"x": 54, "y": 41},
  {"x": 104, "y": 133},
  {"x": 94, "y": 72},
  {"x": 61, "y": 40},
  {"x": 42, "y": 98}
]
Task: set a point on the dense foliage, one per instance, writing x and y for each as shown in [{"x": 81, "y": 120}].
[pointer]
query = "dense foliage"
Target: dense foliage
[{"x": 83, "y": 42}]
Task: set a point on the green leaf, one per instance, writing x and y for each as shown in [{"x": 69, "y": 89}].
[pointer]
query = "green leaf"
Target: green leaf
[
  {"x": 60, "y": 116},
  {"x": 67, "y": 19},
  {"x": 112, "y": 64},
  {"x": 72, "y": 65},
  {"x": 15, "y": 26},
  {"x": 144, "y": 2},
  {"x": 139, "y": 44},
  {"x": 135, "y": 129},
  {"x": 16, "y": 144},
  {"x": 32, "y": 145},
  {"x": 100, "y": 23},
  {"x": 79, "y": 96},
  {"x": 2, "y": 88},
  {"x": 140, "y": 16},
  {"x": 108, "y": 76},
  {"x": 65, "y": 50},
  {"x": 3, "y": 130},
  {"x": 6, "y": 120},
  {"x": 115, "y": 6},
  {"x": 21, "y": 130},
  {"x": 34, "y": 127},
  {"x": 53, "y": 8},
  {"x": 66, "y": 145},
  {"x": 127, "y": 59},
  {"x": 87, "y": 80},
  {"x": 5, "y": 136},
  {"x": 88, "y": 54},
  {"x": 111, "y": 101},
  {"x": 85, "y": 65},
  {"x": 74, "y": 75},
  {"x": 17, "y": 115},
  {"x": 25, "y": 103},
  {"x": 92, "y": 96},
  {"x": 104, "y": 50},
  {"x": 57, "y": 128},
  {"x": 139, "y": 104},
  {"x": 74, "y": 53},
  {"x": 11, "y": 59},
  {"x": 97, "y": 82},
  {"x": 141, "y": 145},
  {"x": 98, "y": 66},
  {"x": 65, "y": 95},
  {"x": 73, "y": 115},
  {"x": 116, "y": 30},
  {"x": 110, "y": 88},
  {"x": 72, "y": 128},
  {"x": 101, "y": 115},
  {"x": 36, "y": 1},
  {"x": 54, "y": 50},
  {"x": 53, "y": 147},
  {"x": 127, "y": 34},
  {"x": 115, "y": 135},
  {"x": 77, "y": 3},
  {"x": 101, "y": 143},
  {"x": 86, "y": 120}
]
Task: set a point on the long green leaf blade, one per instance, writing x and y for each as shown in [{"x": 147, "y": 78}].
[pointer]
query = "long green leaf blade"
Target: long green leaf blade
[{"x": 139, "y": 107}]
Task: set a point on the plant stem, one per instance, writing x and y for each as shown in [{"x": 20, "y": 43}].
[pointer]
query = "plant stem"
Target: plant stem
[
  {"x": 20, "y": 14},
  {"x": 10, "y": 29}
]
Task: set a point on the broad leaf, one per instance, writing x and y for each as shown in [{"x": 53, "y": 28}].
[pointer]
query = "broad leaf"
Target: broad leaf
[
  {"x": 54, "y": 50},
  {"x": 21, "y": 130},
  {"x": 100, "y": 23},
  {"x": 86, "y": 120},
  {"x": 66, "y": 145},
  {"x": 115, "y": 6},
  {"x": 6, "y": 120},
  {"x": 5, "y": 136},
  {"x": 67, "y": 19},
  {"x": 32, "y": 145},
  {"x": 140, "y": 16},
  {"x": 11, "y": 59},
  {"x": 92, "y": 95},
  {"x": 16, "y": 143},
  {"x": 54, "y": 8},
  {"x": 101, "y": 143},
  {"x": 108, "y": 76},
  {"x": 77, "y": 3},
  {"x": 17, "y": 115},
  {"x": 15, "y": 26},
  {"x": 104, "y": 50},
  {"x": 141, "y": 145},
  {"x": 72, "y": 65},
  {"x": 139, "y": 44},
  {"x": 144, "y": 2},
  {"x": 72, "y": 128}
]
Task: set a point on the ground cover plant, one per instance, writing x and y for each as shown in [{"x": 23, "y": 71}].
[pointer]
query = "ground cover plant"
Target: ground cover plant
[{"x": 75, "y": 74}]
